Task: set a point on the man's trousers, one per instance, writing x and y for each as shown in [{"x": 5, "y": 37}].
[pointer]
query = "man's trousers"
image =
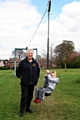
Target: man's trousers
[{"x": 26, "y": 96}]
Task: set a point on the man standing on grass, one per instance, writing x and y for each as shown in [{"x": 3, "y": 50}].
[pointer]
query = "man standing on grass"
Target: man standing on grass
[{"x": 28, "y": 71}]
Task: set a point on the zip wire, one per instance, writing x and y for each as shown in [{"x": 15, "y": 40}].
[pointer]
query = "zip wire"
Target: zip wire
[{"x": 37, "y": 27}]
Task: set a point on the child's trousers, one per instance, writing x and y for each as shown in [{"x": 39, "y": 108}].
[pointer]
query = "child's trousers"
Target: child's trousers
[{"x": 40, "y": 92}]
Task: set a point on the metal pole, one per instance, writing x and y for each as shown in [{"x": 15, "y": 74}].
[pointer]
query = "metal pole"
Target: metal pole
[
  {"x": 36, "y": 53},
  {"x": 49, "y": 6},
  {"x": 48, "y": 44},
  {"x": 15, "y": 62}
]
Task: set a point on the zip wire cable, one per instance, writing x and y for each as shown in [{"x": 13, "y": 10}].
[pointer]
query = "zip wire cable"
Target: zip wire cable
[{"x": 37, "y": 27}]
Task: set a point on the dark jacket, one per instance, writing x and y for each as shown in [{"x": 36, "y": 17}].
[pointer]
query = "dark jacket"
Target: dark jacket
[{"x": 28, "y": 72}]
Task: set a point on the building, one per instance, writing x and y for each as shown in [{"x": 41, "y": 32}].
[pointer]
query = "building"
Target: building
[{"x": 2, "y": 63}]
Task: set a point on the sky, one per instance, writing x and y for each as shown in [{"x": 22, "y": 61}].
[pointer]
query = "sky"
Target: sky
[{"x": 19, "y": 20}]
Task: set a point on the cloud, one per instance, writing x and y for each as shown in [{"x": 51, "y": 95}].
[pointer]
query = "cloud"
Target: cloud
[
  {"x": 67, "y": 25},
  {"x": 15, "y": 19},
  {"x": 19, "y": 20}
]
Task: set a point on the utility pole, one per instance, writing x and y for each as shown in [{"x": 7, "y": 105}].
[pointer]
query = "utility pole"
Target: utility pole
[{"x": 48, "y": 10}]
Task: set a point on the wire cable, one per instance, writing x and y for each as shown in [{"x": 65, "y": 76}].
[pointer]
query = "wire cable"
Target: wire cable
[{"x": 37, "y": 27}]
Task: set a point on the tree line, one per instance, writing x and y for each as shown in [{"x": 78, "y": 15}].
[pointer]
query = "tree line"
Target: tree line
[{"x": 64, "y": 55}]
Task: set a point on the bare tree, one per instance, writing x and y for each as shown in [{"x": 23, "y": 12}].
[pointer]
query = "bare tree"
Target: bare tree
[
  {"x": 51, "y": 53},
  {"x": 19, "y": 54}
]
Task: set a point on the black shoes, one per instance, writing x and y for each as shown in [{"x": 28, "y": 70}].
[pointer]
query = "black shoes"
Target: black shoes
[
  {"x": 29, "y": 110},
  {"x": 20, "y": 113}
]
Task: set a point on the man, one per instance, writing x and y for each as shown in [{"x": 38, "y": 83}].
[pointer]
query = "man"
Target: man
[{"x": 28, "y": 71}]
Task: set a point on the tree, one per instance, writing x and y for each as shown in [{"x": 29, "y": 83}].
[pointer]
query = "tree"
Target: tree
[
  {"x": 74, "y": 60},
  {"x": 51, "y": 56},
  {"x": 63, "y": 51},
  {"x": 44, "y": 55},
  {"x": 19, "y": 54}
]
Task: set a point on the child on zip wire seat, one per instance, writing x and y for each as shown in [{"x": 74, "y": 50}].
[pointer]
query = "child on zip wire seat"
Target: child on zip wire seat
[{"x": 50, "y": 81}]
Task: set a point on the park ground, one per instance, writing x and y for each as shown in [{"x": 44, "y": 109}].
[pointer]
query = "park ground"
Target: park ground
[{"x": 63, "y": 104}]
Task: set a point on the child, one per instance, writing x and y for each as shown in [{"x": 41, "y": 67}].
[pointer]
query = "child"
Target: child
[{"x": 50, "y": 82}]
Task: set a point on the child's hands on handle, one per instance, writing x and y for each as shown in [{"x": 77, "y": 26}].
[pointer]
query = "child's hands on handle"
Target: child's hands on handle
[{"x": 47, "y": 71}]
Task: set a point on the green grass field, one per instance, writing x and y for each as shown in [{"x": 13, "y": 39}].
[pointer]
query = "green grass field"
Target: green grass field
[{"x": 63, "y": 104}]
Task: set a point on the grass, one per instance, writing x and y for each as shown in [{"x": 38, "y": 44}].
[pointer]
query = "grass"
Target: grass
[{"x": 63, "y": 104}]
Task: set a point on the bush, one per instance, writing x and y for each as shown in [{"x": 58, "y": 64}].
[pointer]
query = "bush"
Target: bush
[{"x": 4, "y": 68}]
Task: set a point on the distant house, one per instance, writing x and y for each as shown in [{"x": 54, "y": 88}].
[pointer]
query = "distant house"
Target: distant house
[
  {"x": 11, "y": 63},
  {"x": 5, "y": 62},
  {"x": 2, "y": 63}
]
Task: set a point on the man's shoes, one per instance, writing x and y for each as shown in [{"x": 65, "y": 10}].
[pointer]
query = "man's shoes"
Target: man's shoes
[
  {"x": 29, "y": 110},
  {"x": 20, "y": 113}
]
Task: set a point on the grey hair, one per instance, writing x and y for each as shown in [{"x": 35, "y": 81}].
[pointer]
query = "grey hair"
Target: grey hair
[{"x": 29, "y": 50}]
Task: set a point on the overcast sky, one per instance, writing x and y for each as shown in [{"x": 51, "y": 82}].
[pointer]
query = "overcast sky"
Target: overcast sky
[{"x": 20, "y": 18}]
